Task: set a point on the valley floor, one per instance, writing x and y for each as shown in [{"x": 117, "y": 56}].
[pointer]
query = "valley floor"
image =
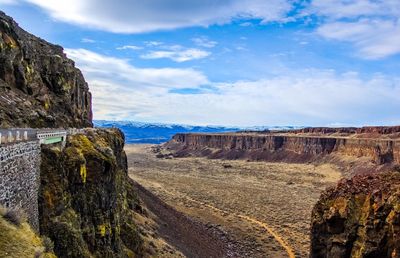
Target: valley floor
[{"x": 259, "y": 209}]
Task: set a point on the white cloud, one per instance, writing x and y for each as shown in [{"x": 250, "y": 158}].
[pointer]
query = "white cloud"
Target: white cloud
[
  {"x": 153, "y": 43},
  {"x": 337, "y": 9},
  {"x": 374, "y": 38},
  {"x": 242, "y": 48},
  {"x": 373, "y": 26},
  {"x": 335, "y": 17},
  {"x": 177, "y": 53},
  {"x": 305, "y": 97},
  {"x": 114, "y": 70},
  {"x": 87, "y": 40},
  {"x": 131, "y": 47},
  {"x": 8, "y": 2},
  {"x": 246, "y": 24},
  {"x": 136, "y": 16},
  {"x": 204, "y": 42}
]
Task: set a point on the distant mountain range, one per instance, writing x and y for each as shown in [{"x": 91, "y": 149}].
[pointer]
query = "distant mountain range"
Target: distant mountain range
[{"x": 155, "y": 133}]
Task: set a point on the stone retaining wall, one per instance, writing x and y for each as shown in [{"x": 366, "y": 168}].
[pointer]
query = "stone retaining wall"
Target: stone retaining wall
[{"x": 20, "y": 178}]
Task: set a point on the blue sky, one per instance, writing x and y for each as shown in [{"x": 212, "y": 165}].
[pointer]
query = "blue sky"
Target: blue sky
[{"x": 231, "y": 62}]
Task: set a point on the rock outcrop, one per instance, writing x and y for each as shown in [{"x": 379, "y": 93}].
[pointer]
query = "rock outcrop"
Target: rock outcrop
[
  {"x": 86, "y": 200},
  {"x": 382, "y": 130},
  {"x": 39, "y": 86},
  {"x": 358, "y": 218},
  {"x": 285, "y": 147}
]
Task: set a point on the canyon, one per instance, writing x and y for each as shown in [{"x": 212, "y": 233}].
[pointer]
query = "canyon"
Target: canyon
[
  {"x": 243, "y": 194},
  {"x": 374, "y": 148},
  {"x": 358, "y": 217}
]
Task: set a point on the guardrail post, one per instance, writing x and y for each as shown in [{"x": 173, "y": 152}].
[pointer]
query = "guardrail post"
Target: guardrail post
[
  {"x": 17, "y": 136},
  {"x": 25, "y": 135},
  {"x": 10, "y": 137},
  {"x": 0, "y": 138}
]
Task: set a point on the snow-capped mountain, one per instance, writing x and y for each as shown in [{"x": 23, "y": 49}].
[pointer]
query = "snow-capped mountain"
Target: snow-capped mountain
[
  {"x": 139, "y": 132},
  {"x": 155, "y": 133}
]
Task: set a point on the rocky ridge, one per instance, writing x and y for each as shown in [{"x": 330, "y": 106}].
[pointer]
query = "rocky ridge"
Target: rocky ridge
[
  {"x": 288, "y": 147},
  {"x": 86, "y": 200},
  {"x": 39, "y": 86}
]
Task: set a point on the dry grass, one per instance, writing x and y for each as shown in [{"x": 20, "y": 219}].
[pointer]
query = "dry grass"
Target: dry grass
[
  {"x": 14, "y": 215},
  {"x": 20, "y": 241},
  {"x": 153, "y": 244},
  {"x": 218, "y": 192}
]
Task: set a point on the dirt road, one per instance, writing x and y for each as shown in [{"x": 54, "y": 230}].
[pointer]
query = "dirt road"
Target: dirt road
[{"x": 264, "y": 208}]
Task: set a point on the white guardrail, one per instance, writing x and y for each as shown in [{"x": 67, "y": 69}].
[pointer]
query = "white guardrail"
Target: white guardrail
[{"x": 46, "y": 136}]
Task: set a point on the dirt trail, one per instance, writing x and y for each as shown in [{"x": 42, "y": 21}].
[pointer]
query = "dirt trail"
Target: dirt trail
[
  {"x": 190, "y": 237},
  {"x": 277, "y": 237},
  {"x": 261, "y": 208}
]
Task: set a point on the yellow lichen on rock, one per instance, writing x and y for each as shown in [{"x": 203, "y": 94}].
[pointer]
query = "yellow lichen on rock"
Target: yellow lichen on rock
[
  {"x": 48, "y": 198},
  {"x": 83, "y": 172},
  {"x": 46, "y": 105},
  {"x": 359, "y": 244},
  {"x": 368, "y": 227},
  {"x": 9, "y": 41},
  {"x": 89, "y": 185},
  {"x": 340, "y": 205},
  {"x": 103, "y": 229}
]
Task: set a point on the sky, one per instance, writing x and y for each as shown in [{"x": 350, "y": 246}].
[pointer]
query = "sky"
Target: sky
[{"x": 229, "y": 62}]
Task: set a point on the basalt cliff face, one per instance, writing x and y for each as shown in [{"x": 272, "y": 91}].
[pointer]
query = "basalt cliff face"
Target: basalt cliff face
[
  {"x": 86, "y": 200},
  {"x": 360, "y": 217},
  {"x": 287, "y": 147},
  {"x": 39, "y": 86}
]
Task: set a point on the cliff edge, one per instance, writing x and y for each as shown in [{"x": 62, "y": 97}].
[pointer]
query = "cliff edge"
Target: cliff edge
[
  {"x": 360, "y": 217},
  {"x": 39, "y": 86},
  {"x": 355, "y": 152},
  {"x": 86, "y": 202}
]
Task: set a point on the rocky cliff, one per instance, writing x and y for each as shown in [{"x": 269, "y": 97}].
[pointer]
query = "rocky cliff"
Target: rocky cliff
[
  {"x": 39, "y": 85},
  {"x": 358, "y": 218},
  {"x": 285, "y": 147},
  {"x": 364, "y": 131},
  {"x": 86, "y": 200}
]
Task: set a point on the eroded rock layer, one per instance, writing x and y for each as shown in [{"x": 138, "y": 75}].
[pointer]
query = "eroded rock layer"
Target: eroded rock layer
[
  {"x": 86, "y": 200},
  {"x": 281, "y": 147},
  {"x": 39, "y": 86},
  {"x": 362, "y": 131}
]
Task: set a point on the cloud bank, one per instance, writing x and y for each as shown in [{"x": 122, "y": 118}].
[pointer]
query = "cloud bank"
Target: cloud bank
[
  {"x": 373, "y": 26},
  {"x": 305, "y": 97},
  {"x": 177, "y": 53},
  {"x": 136, "y": 16}
]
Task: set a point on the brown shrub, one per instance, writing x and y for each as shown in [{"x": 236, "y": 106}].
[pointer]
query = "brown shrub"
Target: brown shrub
[{"x": 14, "y": 215}]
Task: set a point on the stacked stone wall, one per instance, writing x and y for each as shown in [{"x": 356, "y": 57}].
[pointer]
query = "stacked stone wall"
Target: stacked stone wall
[{"x": 20, "y": 178}]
